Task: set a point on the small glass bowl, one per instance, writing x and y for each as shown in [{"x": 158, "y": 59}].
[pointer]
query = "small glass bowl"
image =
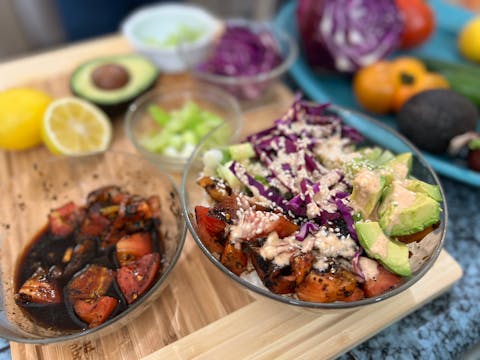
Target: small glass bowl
[
  {"x": 424, "y": 253},
  {"x": 49, "y": 184},
  {"x": 253, "y": 88},
  {"x": 144, "y": 26},
  {"x": 139, "y": 123}
]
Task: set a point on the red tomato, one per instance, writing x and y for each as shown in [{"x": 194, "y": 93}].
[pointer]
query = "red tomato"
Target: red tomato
[
  {"x": 419, "y": 22},
  {"x": 95, "y": 312},
  {"x": 133, "y": 247},
  {"x": 210, "y": 229},
  {"x": 137, "y": 277},
  {"x": 384, "y": 281}
]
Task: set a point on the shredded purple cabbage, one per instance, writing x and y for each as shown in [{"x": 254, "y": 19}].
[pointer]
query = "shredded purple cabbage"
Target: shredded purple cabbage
[
  {"x": 286, "y": 151},
  {"x": 355, "y": 263},
  {"x": 306, "y": 228}
]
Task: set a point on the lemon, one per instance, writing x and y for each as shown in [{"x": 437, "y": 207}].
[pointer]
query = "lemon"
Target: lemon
[
  {"x": 21, "y": 113},
  {"x": 469, "y": 40},
  {"x": 72, "y": 126}
]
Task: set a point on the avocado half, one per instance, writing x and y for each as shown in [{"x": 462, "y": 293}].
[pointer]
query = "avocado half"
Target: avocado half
[{"x": 113, "y": 82}]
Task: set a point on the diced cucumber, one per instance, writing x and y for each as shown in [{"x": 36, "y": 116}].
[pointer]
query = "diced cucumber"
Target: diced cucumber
[
  {"x": 160, "y": 116},
  {"x": 182, "y": 129},
  {"x": 212, "y": 158},
  {"x": 241, "y": 151},
  {"x": 226, "y": 174}
]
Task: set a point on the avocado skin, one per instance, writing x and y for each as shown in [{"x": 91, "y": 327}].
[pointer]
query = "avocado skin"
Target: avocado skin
[
  {"x": 114, "y": 109},
  {"x": 397, "y": 253},
  {"x": 432, "y": 118}
]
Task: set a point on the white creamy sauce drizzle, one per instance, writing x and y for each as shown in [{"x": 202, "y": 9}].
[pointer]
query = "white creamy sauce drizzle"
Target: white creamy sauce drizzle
[{"x": 369, "y": 267}]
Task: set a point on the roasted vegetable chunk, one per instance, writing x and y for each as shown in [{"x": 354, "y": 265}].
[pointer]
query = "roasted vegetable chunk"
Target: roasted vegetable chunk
[
  {"x": 91, "y": 283},
  {"x": 39, "y": 289},
  {"x": 279, "y": 280},
  {"x": 234, "y": 259},
  {"x": 327, "y": 287},
  {"x": 217, "y": 189},
  {"x": 137, "y": 277},
  {"x": 301, "y": 265}
]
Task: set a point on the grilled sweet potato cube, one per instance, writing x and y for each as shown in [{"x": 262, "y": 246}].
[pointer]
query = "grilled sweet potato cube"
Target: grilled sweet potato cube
[
  {"x": 234, "y": 259},
  {"x": 327, "y": 287},
  {"x": 301, "y": 265}
]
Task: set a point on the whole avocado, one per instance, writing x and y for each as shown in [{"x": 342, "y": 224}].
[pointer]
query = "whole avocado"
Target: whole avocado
[{"x": 432, "y": 118}]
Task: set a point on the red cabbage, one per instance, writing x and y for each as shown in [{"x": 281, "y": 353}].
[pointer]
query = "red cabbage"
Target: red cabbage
[
  {"x": 305, "y": 229},
  {"x": 345, "y": 35},
  {"x": 355, "y": 265}
]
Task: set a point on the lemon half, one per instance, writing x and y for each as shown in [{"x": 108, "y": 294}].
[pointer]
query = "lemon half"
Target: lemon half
[{"x": 72, "y": 126}]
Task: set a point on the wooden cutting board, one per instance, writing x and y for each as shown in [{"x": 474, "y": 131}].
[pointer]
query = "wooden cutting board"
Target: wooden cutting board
[{"x": 202, "y": 313}]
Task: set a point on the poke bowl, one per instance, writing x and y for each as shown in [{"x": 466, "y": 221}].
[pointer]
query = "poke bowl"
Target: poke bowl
[
  {"x": 88, "y": 243},
  {"x": 329, "y": 229}
]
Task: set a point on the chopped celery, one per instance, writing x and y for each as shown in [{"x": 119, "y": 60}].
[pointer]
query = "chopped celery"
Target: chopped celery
[
  {"x": 224, "y": 172},
  {"x": 182, "y": 129},
  {"x": 241, "y": 151},
  {"x": 158, "y": 114}
]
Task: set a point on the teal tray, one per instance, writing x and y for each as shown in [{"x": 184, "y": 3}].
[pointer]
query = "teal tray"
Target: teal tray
[{"x": 337, "y": 89}]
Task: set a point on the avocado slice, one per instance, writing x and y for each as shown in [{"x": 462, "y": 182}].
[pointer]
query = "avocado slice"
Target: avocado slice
[
  {"x": 404, "y": 212},
  {"x": 416, "y": 185},
  {"x": 367, "y": 189},
  {"x": 400, "y": 166},
  {"x": 113, "y": 82},
  {"x": 390, "y": 253}
]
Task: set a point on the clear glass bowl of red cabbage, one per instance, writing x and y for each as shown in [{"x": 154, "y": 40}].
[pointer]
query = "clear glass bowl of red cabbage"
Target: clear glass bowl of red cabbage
[
  {"x": 366, "y": 132},
  {"x": 247, "y": 58}
]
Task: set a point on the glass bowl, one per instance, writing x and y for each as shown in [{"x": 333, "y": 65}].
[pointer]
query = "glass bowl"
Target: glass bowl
[
  {"x": 139, "y": 123},
  {"x": 49, "y": 184},
  {"x": 252, "y": 88},
  {"x": 148, "y": 28},
  {"x": 424, "y": 253}
]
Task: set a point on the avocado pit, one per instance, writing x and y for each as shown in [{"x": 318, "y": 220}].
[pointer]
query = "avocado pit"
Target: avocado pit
[{"x": 110, "y": 76}]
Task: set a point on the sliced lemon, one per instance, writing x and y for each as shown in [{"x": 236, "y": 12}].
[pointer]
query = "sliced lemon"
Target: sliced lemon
[{"x": 72, "y": 126}]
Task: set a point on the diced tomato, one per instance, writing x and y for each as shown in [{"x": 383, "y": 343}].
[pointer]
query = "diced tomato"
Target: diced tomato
[
  {"x": 40, "y": 290},
  {"x": 383, "y": 282},
  {"x": 137, "y": 277},
  {"x": 62, "y": 221},
  {"x": 95, "y": 312},
  {"x": 93, "y": 282},
  {"x": 327, "y": 287},
  {"x": 133, "y": 247},
  {"x": 234, "y": 259},
  {"x": 301, "y": 265},
  {"x": 210, "y": 229}
]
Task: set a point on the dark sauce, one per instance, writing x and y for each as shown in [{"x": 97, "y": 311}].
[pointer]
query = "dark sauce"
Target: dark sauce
[{"x": 47, "y": 251}]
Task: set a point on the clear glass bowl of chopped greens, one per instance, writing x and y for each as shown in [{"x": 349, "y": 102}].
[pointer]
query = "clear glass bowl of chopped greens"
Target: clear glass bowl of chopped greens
[{"x": 167, "y": 124}]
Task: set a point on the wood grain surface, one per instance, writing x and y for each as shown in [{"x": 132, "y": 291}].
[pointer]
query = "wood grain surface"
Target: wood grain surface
[{"x": 202, "y": 313}]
